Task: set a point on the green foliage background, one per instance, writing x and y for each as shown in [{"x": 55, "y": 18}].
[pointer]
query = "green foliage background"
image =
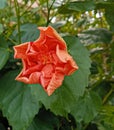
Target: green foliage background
[{"x": 85, "y": 101}]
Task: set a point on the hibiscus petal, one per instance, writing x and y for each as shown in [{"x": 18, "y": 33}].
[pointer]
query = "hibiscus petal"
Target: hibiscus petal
[
  {"x": 70, "y": 65},
  {"x": 46, "y": 74},
  {"x": 48, "y": 70},
  {"x": 40, "y": 41},
  {"x": 32, "y": 79},
  {"x": 44, "y": 81},
  {"x": 55, "y": 82},
  {"x": 50, "y": 32},
  {"x": 32, "y": 69},
  {"x": 20, "y": 50},
  {"x": 62, "y": 54}
]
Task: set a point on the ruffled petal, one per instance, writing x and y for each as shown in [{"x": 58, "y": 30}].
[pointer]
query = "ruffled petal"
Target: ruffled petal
[
  {"x": 62, "y": 54},
  {"x": 55, "y": 82},
  {"x": 46, "y": 74},
  {"x": 70, "y": 65},
  {"x": 20, "y": 50}
]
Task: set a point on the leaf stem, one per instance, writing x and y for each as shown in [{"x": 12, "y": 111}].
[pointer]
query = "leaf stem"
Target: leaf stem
[{"x": 18, "y": 19}]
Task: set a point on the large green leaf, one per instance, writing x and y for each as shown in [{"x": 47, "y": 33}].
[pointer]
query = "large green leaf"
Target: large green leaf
[
  {"x": 4, "y": 55},
  {"x": 77, "y": 6},
  {"x": 65, "y": 97},
  {"x": 29, "y": 32},
  {"x": 60, "y": 102},
  {"x": 87, "y": 107},
  {"x": 17, "y": 102},
  {"x": 79, "y": 80},
  {"x": 99, "y": 35}
]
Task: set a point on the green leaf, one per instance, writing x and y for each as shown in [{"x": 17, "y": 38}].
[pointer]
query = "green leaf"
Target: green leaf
[
  {"x": 96, "y": 35},
  {"x": 81, "y": 5},
  {"x": 77, "y": 6},
  {"x": 4, "y": 55},
  {"x": 87, "y": 107},
  {"x": 58, "y": 24},
  {"x": 29, "y": 32},
  {"x": 2, "y": 3},
  {"x": 79, "y": 80},
  {"x": 17, "y": 102},
  {"x": 62, "y": 100}
]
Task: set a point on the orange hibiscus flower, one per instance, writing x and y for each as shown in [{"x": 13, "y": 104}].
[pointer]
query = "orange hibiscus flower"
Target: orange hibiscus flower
[{"x": 45, "y": 61}]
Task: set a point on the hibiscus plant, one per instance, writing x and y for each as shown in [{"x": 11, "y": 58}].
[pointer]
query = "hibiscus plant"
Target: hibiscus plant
[{"x": 56, "y": 65}]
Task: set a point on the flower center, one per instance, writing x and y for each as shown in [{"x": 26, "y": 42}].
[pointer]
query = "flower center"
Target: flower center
[{"x": 45, "y": 57}]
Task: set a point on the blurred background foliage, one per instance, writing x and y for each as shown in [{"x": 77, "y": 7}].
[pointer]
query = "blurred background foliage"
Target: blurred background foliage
[{"x": 89, "y": 21}]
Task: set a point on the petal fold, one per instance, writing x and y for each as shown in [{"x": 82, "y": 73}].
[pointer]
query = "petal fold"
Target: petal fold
[
  {"x": 50, "y": 32},
  {"x": 20, "y": 50},
  {"x": 32, "y": 79}
]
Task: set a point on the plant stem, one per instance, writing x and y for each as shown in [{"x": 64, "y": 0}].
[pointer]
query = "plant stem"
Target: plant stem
[
  {"x": 107, "y": 95},
  {"x": 18, "y": 19},
  {"x": 48, "y": 14}
]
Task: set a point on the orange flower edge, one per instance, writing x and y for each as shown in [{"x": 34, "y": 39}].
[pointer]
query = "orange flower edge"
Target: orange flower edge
[{"x": 45, "y": 61}]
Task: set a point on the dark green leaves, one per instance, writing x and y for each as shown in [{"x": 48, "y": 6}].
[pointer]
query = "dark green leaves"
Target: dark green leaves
[
  {"x": 46, "y": 122},
  {"x": 4, "y": 53},
  {"x": 17, "y": 102},
  {"x": 87, "y": 107},
  {"x": 77, "y": 6},
  {"x": 99, "y": 35},
  {"x": 109, "y": 12},
  {"x": 81, "y": 6}
]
